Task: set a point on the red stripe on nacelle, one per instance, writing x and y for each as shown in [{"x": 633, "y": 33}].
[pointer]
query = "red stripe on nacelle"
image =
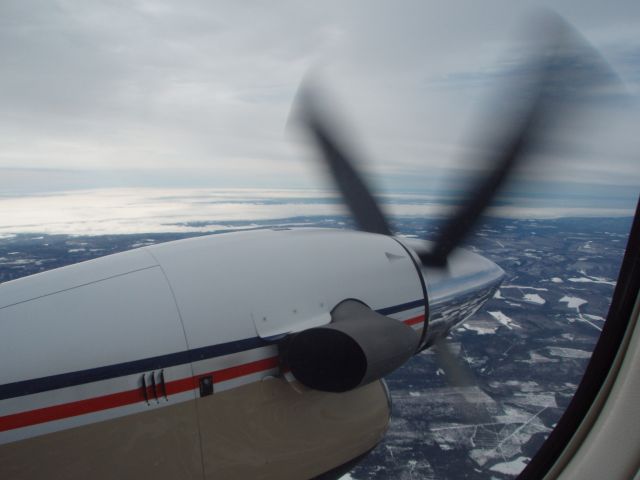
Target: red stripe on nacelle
[
  {"x": 57, "y": 412},
  {"x": 120, "y": 399},
  {"x": 242, "y": 370},
  {"x": 414, "y": 320}
]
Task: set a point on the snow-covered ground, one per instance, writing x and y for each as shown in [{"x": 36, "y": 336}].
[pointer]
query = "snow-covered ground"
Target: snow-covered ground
[
  {"x": 573, "y": 302},
  {"x": 534, "y": 298},
  {"x": 504, "y": 320}
]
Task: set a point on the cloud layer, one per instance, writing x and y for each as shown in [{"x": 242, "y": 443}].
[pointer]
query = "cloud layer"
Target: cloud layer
[{"x": 153, "y": 210}]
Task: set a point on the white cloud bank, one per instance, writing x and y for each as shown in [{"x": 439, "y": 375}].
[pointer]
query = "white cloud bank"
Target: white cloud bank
[{"x": 114, "y": 211}]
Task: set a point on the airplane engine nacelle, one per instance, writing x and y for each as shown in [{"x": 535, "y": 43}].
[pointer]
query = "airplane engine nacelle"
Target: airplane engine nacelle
[
  {"x": 180, "y": 347},
  {"x": 358, "y": 347}
]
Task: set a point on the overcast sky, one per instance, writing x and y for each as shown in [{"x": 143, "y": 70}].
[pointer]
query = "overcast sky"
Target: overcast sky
[{"x": 171, "y": 94}]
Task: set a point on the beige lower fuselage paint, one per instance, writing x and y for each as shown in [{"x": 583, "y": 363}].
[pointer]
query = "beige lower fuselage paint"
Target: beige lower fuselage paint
[{"x": 266, "y": 429}]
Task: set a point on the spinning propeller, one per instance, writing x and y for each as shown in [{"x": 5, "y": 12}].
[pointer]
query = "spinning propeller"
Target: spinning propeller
[
  {"x": 512, "y": 147},
  {"x": 551, "y": 76},
  {"x": 565, "y": 69}
]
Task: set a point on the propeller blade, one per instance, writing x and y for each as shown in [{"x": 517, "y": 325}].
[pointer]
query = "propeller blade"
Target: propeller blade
[
  {"x": 456, "y": 373},
  {"x": 355, "y": 192},
  {"x": 513, "y": 147},
  {"x": 566, "y": 71},
  {"x": 459, "y": 377}
]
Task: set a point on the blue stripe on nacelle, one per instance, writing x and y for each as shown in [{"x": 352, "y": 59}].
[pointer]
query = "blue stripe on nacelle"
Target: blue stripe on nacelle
[{"x": 63, "y": 380}]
